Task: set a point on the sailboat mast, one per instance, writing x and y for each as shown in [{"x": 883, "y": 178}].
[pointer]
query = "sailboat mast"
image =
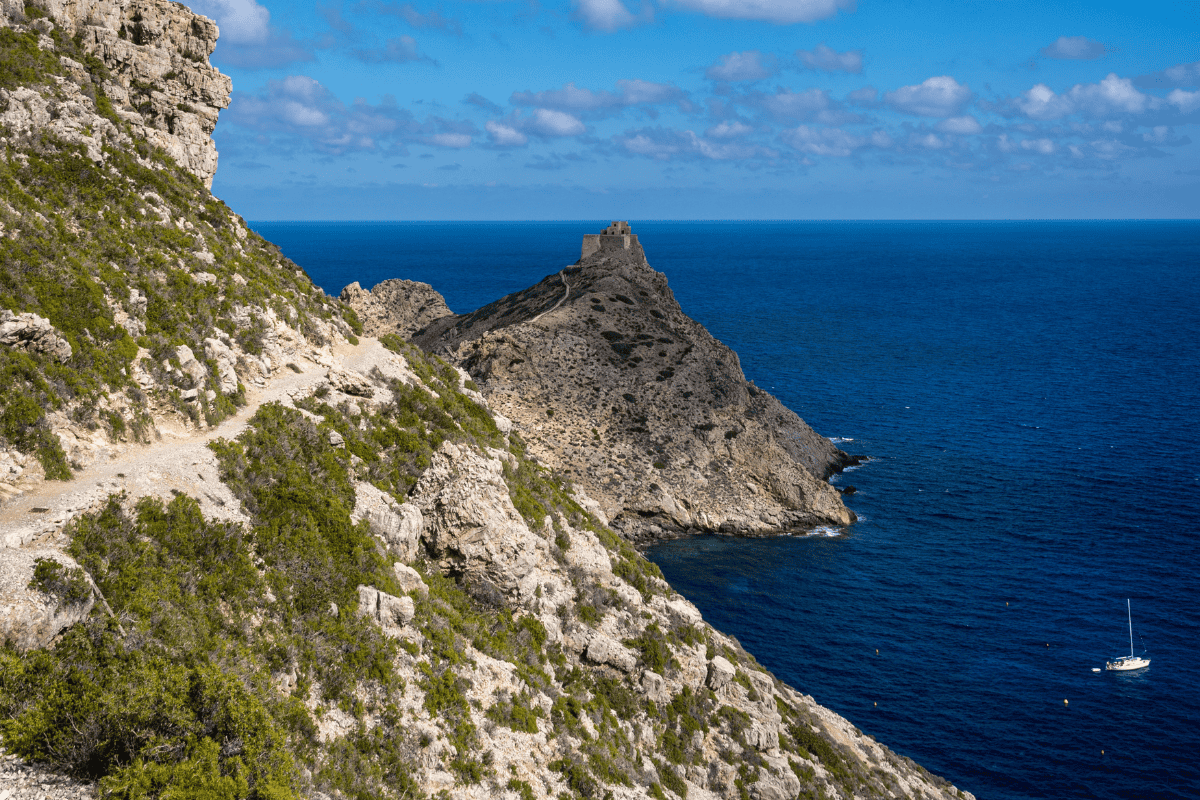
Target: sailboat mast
[{"x": 1129, "y": 612}]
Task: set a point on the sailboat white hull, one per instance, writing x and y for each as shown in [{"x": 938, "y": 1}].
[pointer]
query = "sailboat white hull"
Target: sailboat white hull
[{"x": 1127, "y": 663}]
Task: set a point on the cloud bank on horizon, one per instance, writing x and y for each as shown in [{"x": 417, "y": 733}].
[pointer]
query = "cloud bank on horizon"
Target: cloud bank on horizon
[{"x": 710, "y": 108}]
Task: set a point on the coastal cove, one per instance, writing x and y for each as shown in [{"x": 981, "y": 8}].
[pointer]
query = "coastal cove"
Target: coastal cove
[{"x": 1026, "y": 394}]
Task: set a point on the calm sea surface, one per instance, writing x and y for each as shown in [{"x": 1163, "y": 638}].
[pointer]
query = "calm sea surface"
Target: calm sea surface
[{"x": 1028, "y": 393}]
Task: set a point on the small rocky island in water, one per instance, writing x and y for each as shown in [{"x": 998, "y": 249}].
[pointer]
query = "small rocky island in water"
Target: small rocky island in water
[{"x": 260, "y": 542}]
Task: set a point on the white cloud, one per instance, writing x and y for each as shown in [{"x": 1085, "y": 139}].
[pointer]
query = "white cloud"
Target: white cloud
[
  {"x": 504, "y": 135},
  {"x": 1043, "y": 146},
  {"x": 728, "y": 130},
  {"x": 638, "y": 92},
  {"x": 961, "y": 125},
  {"x": 929, "y": 141},
  {"x": 555, "y": 123},
  {"x": 797, "y": 105},
  {"x": 607, "y": 15},
  {"x": 1110, "y": 96},
  {"x": 822, "y": 141},
  {"x": 665, "y": 144},
  {"x": 1186, "y": 102},
  {"x": 781, "y": 12},
  {"x": 825, "y": 59},
  {"x": 935, "y": 97},
  {"x": 1077, "y": 48},
  {"x": 573, "y": 99},
  {"x": 299, "y": 109},
  {"x": 750, "y": 65},
  {"x": 240, "y": 21},
  {"x": 514, "y": 130}
]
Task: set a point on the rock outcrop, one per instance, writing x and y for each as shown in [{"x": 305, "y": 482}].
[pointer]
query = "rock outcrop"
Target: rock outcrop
[
  {"x": 396, "y": 306},
  {"x": 610, "y": 382},
  {"x": 32, "y": 333},
  {"x": 159, "y": 79},
  {"x": 31, "y": 617}
]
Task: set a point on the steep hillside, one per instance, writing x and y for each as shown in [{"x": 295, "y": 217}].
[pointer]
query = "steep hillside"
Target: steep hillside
[
  {"x": 613, "y": 384},
  {"x": 129, "y": 296},
  {"x": 271, "y": 560}
]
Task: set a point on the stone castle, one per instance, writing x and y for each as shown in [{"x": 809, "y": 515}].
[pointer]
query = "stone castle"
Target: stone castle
[{"x": 615, "y": 237}]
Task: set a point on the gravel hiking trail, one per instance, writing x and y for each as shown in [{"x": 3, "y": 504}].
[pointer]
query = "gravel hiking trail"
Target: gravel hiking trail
[{"x": 179, "y": 461}]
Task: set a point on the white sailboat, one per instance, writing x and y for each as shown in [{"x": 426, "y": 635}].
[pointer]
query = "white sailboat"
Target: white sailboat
[{"x": 1125, "y": 663}]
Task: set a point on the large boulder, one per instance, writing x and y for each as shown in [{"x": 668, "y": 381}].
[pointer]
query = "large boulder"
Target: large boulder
[
  {"x": 190, "y": 365},
  {"x": 471, "y": 526},
  {"x": 398, "y": 524},
  {"x": 720, "y": 672},
  {"x": 31, "y": 618},
  {"x": 33, "y": 334},
  {"x": 604, "y": 650}
]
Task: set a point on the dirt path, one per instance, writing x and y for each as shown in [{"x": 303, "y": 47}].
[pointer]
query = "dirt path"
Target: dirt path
[
  {"x": 179, "y": 462},
  {"x": 562, "y": 274}
]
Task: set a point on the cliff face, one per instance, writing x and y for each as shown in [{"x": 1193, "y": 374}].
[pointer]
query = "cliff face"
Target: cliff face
[
  {"x": 154, "y": 55},
  {"x": 611, "y": 383}
]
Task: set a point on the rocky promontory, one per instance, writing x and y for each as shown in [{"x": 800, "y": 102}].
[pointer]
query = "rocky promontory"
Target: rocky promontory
[{"x": 613, "y": 385}]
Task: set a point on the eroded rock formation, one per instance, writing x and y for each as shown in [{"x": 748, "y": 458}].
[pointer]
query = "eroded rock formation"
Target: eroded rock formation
[{"x": 159, "y": 79}]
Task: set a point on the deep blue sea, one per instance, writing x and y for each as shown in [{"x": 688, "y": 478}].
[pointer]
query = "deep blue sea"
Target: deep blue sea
[{"x": 1029, "y": 396}]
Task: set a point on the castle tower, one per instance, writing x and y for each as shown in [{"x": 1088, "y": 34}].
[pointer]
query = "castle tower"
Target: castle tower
[{"x": 616, "y": 236}]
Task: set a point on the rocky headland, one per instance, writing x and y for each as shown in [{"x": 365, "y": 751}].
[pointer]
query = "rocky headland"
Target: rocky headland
[
  {"x": 251, "y": 547},
  {"x": 613, "y": 385}
]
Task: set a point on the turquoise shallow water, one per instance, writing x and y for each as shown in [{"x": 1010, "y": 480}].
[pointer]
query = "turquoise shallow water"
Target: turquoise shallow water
[{"x": 1028, "y": 395}]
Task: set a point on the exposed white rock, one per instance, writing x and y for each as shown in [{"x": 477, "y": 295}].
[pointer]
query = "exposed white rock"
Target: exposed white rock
[
  {"x": 720, "y": 672},
  {"x": 389, "y": 611},
  {"x": 604, "y": 650},
  {"x": 218, "y": 351},
  {"x": 398, "y": 524},
  {"x": 33, "y": 334},
  {"x": 409, "y": 579},
  {"x": 471, "y": 524},
  {"x": 351, "y": 383},
  {"x": 30, "y": 618},
  {"x": 655, "y": 687},
  {"x": 189, "y": 364}
]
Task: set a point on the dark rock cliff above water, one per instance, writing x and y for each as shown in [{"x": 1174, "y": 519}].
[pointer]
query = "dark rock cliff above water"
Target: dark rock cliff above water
[{"x": 612, "y": 383}]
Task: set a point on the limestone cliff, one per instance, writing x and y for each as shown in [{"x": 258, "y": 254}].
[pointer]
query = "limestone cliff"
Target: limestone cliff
[
  {"x": 155, "y": 70},
  {"x": 611, "y": 383}
]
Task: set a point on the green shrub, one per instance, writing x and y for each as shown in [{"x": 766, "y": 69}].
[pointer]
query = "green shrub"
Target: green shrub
[
  {"x": 67, "y": 584},
  {"x": 22, "y": 62},
  {"x": 516, "y": 713},
  {"x": 653, "y": 648}
]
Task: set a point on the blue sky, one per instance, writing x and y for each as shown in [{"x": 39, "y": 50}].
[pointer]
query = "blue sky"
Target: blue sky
[{"x": 708, "y": 109}]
